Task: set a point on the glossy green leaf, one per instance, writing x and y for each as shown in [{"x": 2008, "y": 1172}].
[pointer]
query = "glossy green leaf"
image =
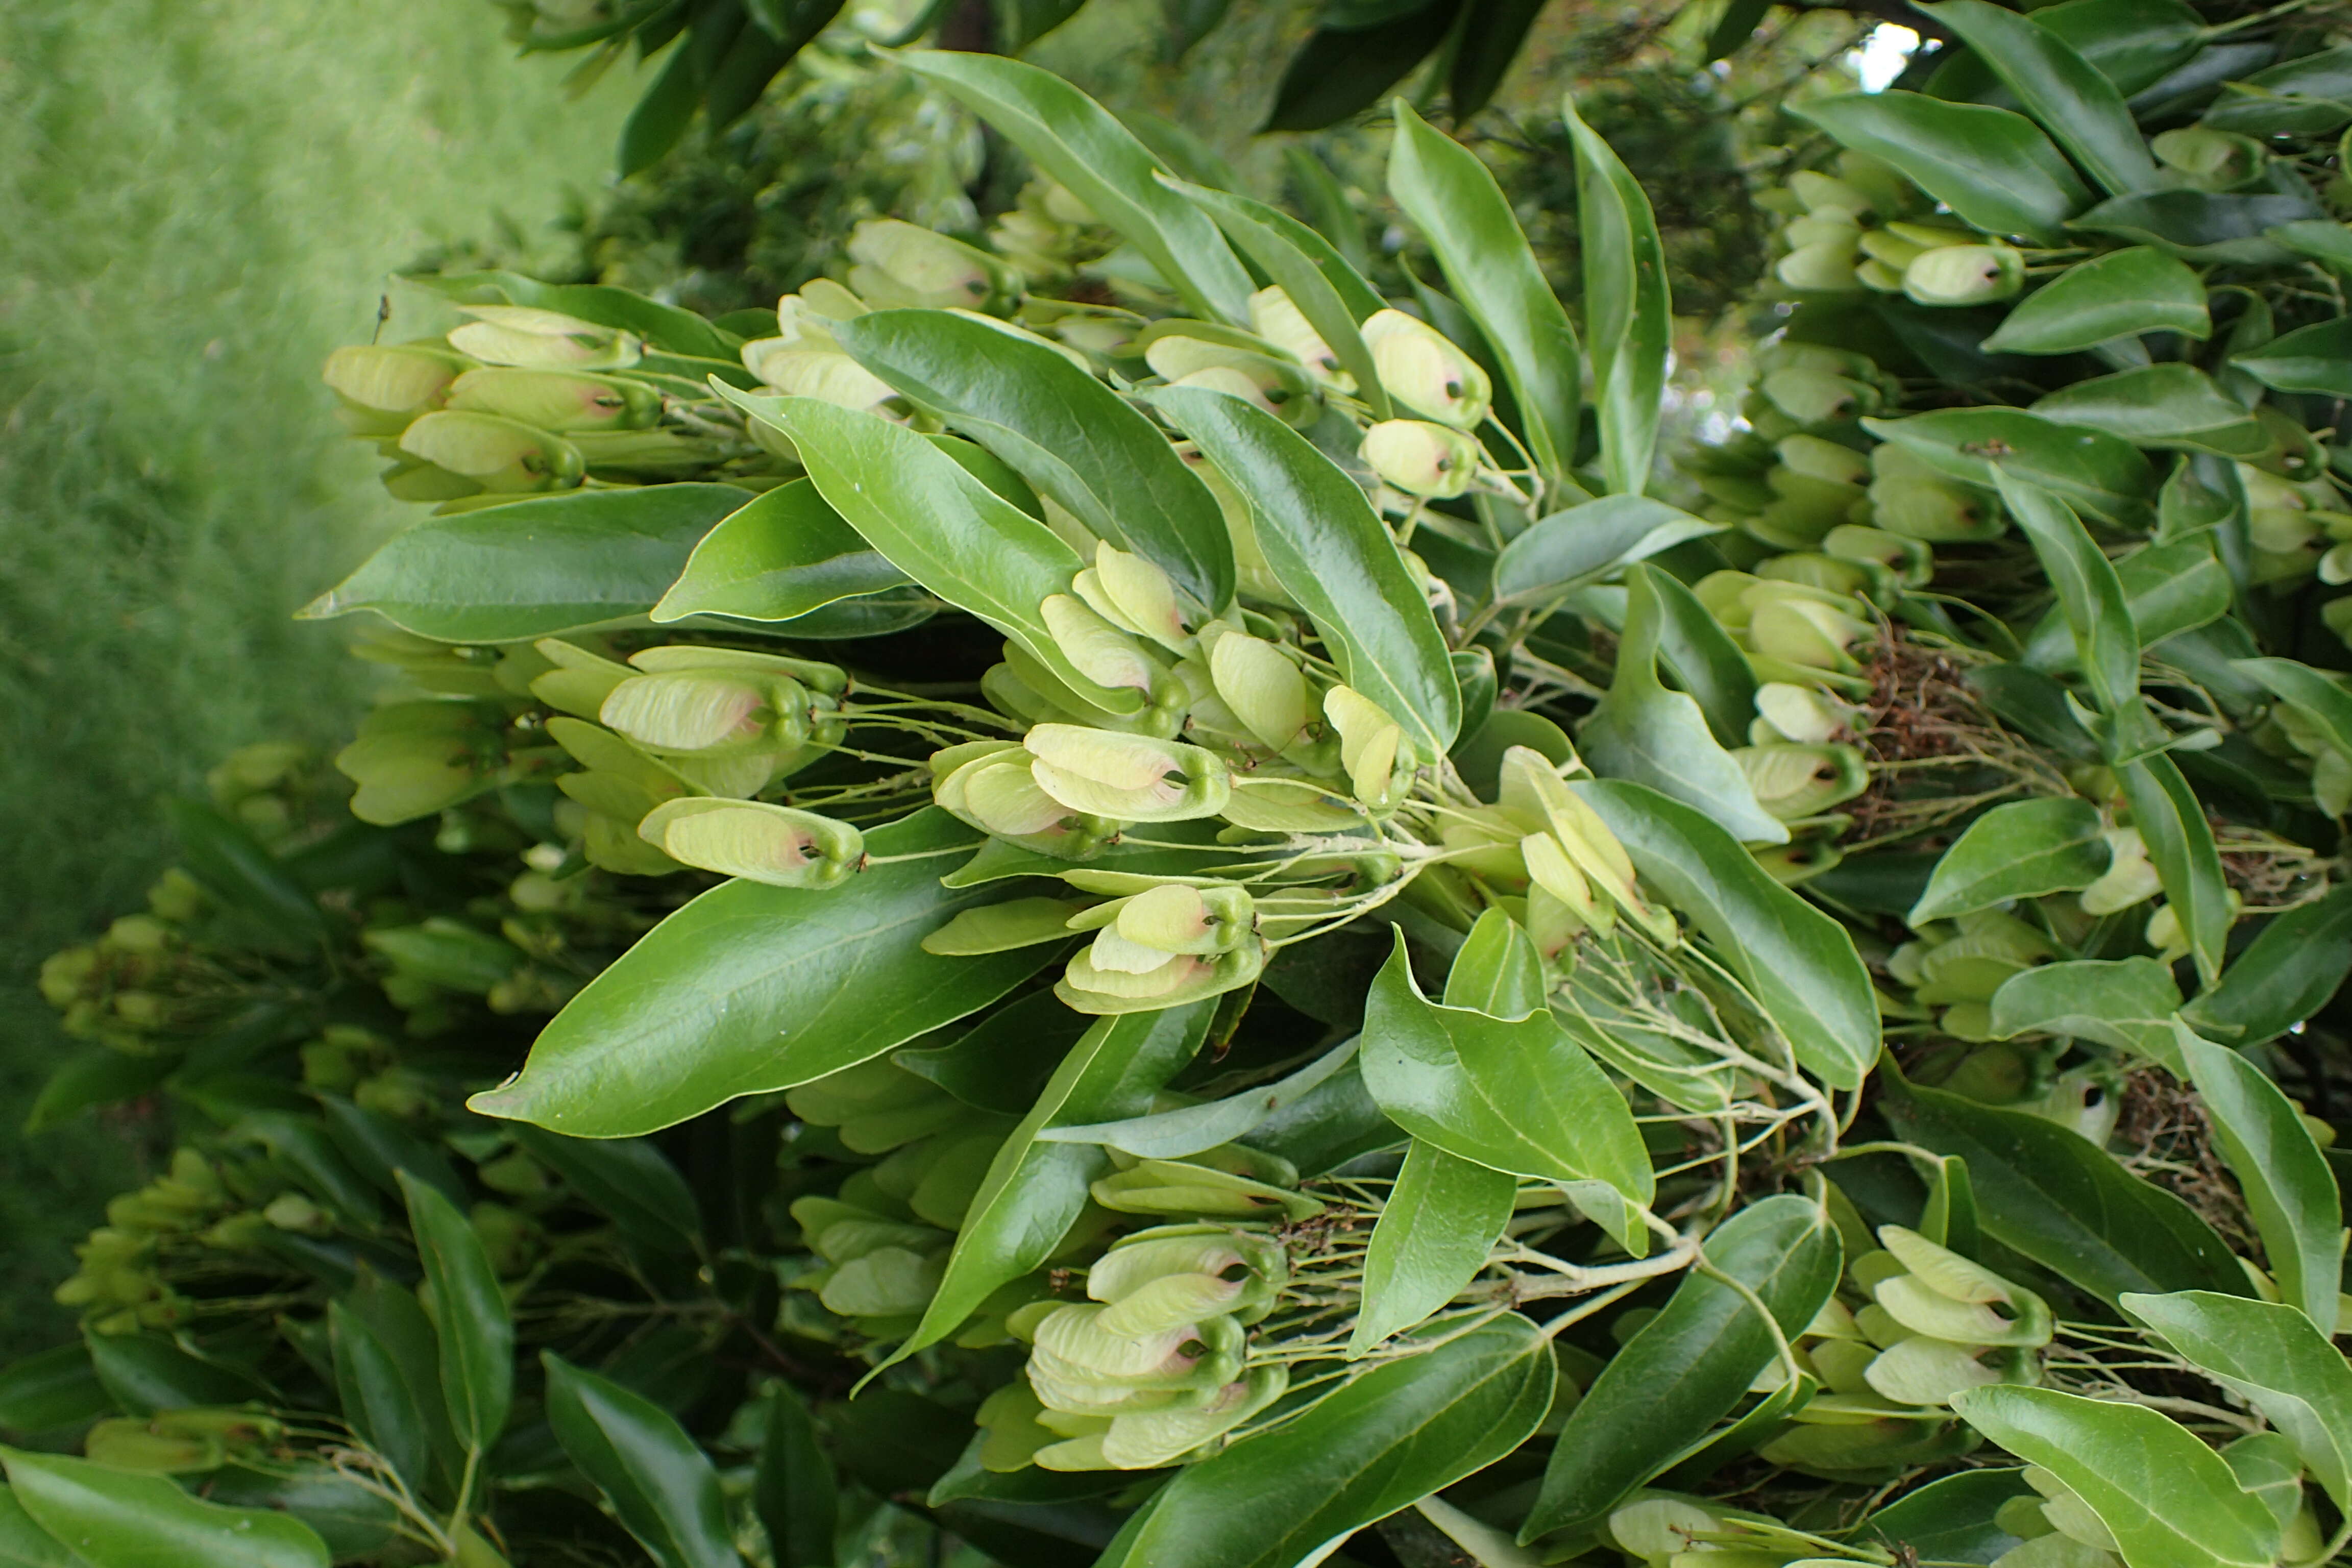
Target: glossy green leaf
[
  {"x": 1333, "y": 556},
  {"x": 382, "y": 1397},
  {"x": 2168, "y": 588},
  {"x": 662, "y": 1488},
  {"x": 2203, "y": 228},
  {"x": 2161, "y": 406},
  {"x": 1431, "y": 1240},
  {"x": 1329, "y": 292},
  {"x": 379, "y": 1148},
  {"x": 2121, "y": 294},
  {"x": 1454, "y": 202},
  {"x": 93, "y": 1075},
  {"x": 2059, "y": 88},
  {"x": 2090, "y": 594},
  {"x": 2126, "y": 1003},
  {"x": 2322, "y": 239},
  {"x": 2317, "y": 359},
  {"x": 1069, "y": 136},
  {"x": 471, "y": 1321},
  {"x": 1174, "y": 1134},
  {"x": 1703, "y": 660},
  {"x": 536, "y": 567},
  {"x": 1648, "y": 735},
  {"x": 793, "y": 1489},
  {"x": 1995, "y": 169},
  {"x": 1072, "y": 438},
  {"x": 1951, "y": 1519},
  {"x": 2052, "y": 1195},
  {"x": 1797, "y": 963},
  {"x": 1568, "y": 550},
  {"x": 2095, "y": 473},
  {"x": 938, "y": 524},
  {"x": 2021, "y": 850},
  {"x": 752, "y": 988},
  {"x": 2179, "y": 839},
  {"x": 628, "y": 1181},
  {"x": 236, "y": 868},
  {"x": 1342, "y": 71},
  {"x": 1514, "y": 1095},
  {"x": 57, "y": 1387},
  {"x": 777, "y": 558},
  {"x": 1393, "y": 1434},
  {"x": 147, "y": 1373},
  {"x": 1628, "y": 314},
  {"x": 1036, "y": 1189},
  {"x": 2277, "y": 1359},
  {"x": 2288, "y": 1187},
  {"x": 2310, "y": 95},
  {"x": 25, "y": 1544},
  {"x": 2284, "y": 975},
  {"x": 2169, "y": 1500},
  {"x": 1689, "y": 1366},
  {"x": 119, "y": 1519}
]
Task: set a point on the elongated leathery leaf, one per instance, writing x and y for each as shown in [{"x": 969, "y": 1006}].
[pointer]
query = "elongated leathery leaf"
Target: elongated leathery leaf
[
  {"x": 1067, "y": 433},
  {"x": 663, "y": 1488},
  {"x": 2020, "y": 850},
  {"x": 2274, "y": 1358},
  {"x": 1431, "y": 1239},
  {"x": 2063, "y": 1201},
  {"x": 1462, "y": 212},
  {"x": 2121, "y": 294},
  {"x": 1691, "y": 1364},
  {"x": 1172, "y": 1134},
  {"x": 534, "y": 567},
  {"x": 25, "y": 1544},
  {"x": 1994, "y": 168},
  {"x": 2288, "y": 1186},
  {"x": 119, "y": 1519},
  {"x": 2172, "y": 823},
  {"x": 1585, "y": 542},
  {"x": 2095, "y": 473},
  {"x": 2126, "y": 1003},
  {"x": 473, "y": 1324},
  {"x": 2283, "y": 975},
  {"x": 1627, "y": 313},
  {"x": 1397, "y": 1432},
  {"x": 2089, "y": 592},
  {"x": 2169, "y": 1500},
  {"x": 776, "y": 558},
  {"x": 2059, "y": 88},
  {"x": 1332, "y": 556},
  {"x": 1078, "y": 141},
  {"x": 1797, "y": 963},
  {"x": 752, "y": 988},
  {"x": 938, "y": 524},
  {"x": 1034, "y": 1189}
]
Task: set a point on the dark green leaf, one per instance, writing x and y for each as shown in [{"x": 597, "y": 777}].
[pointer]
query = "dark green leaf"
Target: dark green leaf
[
  {"x": 2162, "y": 1493},
  {"x": 662, "y": 115},
  {"x": 535, "y": 567},
  {"x": 2201, "y": 227},
  {"x": 379, "y": 1147},
  {"x": 937, "y": 523},
  {"x": 2289, "y": 1189},
  {"x": 625, "y": 1179},
  {"x": 1650, "y": 735},
  {"x": 2059, "y": 88},
  {"x": 1628, "y": 314},
  {"x": 1995, "y": 169},
  {"x": 146, "y": 1373},
  {"x": 473, "y": 1330},
  {"x": 25, "y": 1544},
  {"x": 1332, "y": 556},
  {"x": 2308, "y": 96},
  {"x": 56, "y": 1388},
  {"x": 117, "y": 1519},
  {"x": 1339, "y": 73},
  {"x": 661, "y": 1487},
  {"x": 2121, "y": 294},
  {"x": 2322, "y": 239},
  {"x": 354, "y": 1520},
  {"x": 1686, "y": 1368},
  {"x": 999, "y": 1063},
  {"x": 2161, "y": 406},
  {"x": 2090, "y": 594},
  {"x": 794, "y": 1489},
  {"x": 94, "y": 1075},
  {"x": 2278, "y": 1361},
  {"x": 1034, "y": 1189},
  {"x": 1797, "y": 963},
  {"x": 2021, "y": 850},
  {"x": 1514, "y": 1095},
  {"x": 1951, "y": 1519},
  {"x": 1568, "y": 550},
  {"x": 2052, "y": 1195},
  {"x": 2284, "y": 977},
  {"x": 1431, "y": 1241},
  {"x": 245, "y": 877},
  {"x": 2168, "y": 588},
  {"x": 1062, "y": 430},
  {"x": 2126, "y": 1003},
  {"x": 776, "y": 558},
  {"x": 1074, "y": 138},
  {"x": 2092, "y": 471},
  {"x": 1462, "y": 212},
  {"x": 383, "y": 1398},
  {"x": 2172, "y": 824},
  {"x": 1395, "y": 1434},
  {"x": 1192, "y": 1129},
  {"x": 1738, "y": 24},
  {"x": 752, "y": 988},
  {"x": 2316, "y": 358}
]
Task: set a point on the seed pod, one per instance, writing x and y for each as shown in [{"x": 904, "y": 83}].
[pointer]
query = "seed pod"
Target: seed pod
[
  {"x": 1380, "y": 762},
  {"x": 1193, "y": 1191},
  {"x": 1097, "y": 649},
  {"x": 499, "y": 455},
  {"x": 2212, "y": 160},
  {"x": 557, "y": 400},
  {"x": 1965, "y": 275},
  {"x": 1819, "y": 191},
  {"x": 2066, "y": 1511},
  {"x": 1909, "y": 561},
  {"x": 1142, "y": 1440},
  {"x": 580, "y": 680},
  {"x": 1805, "y": 631},
  {"x": 1433, "y": 461},
  {"x": 1924, "y": 1371},
  {"x": 398, "y": 379},
  {"x": 1830, "y": 462},
  {"x": 1276, "y": 385},
  {"x": 997, "y": 794},
  {"x": 2130, "y": 877},
  {"x": 412, "y": 759},
  {"x": 1794, "y": 781},
  {"x": 1813, "y": 396},
  {"x": 711, "y": 713},
  {"x": 1932, "y": 507},
  {"x": 534, "y": 339},
  {"x": 1156, "y": 979},
  {"x": 899, "y": 264},
  {"x": 1133, "y": 778},
  {"x": 1074, "y": 1344},
  {"x": 1552, "y": 871},
  {"x": 1274, "y": 318},
  {"x": 1262, "y": 688},
  {"x": 1825, "y": 266},
  {"x": 756, "y": 842},
  {"x": 799, "y": 369},
  {"x": 1946, "y": 1297},
  {"x": 1176, "y": 917},
  {"x": 1801, "y": 714},
  {"x": 126, "y": 1444},
  {"x": 1829, "y": 223},
  {"x": 1134, "y": 595},
  {"x": 1422, "y": 369}
]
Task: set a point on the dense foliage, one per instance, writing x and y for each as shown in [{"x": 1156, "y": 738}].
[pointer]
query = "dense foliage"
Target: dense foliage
[{"x": 1188, "y": 922}]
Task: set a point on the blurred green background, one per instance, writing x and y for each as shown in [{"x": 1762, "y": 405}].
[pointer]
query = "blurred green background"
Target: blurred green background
[{"x": 199, "y": 199}]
